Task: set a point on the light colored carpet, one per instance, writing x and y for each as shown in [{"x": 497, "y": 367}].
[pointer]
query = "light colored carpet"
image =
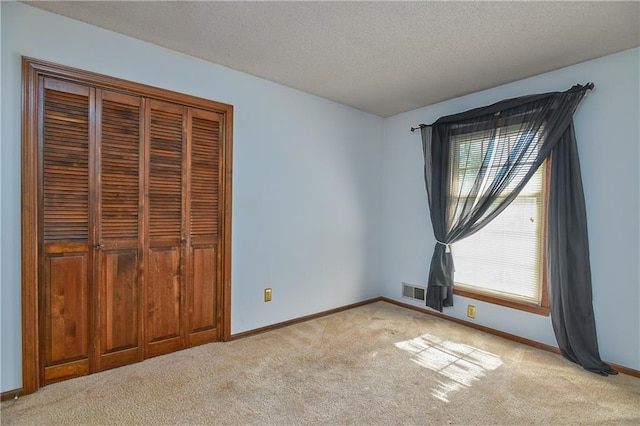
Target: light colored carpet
[{"x": 376, "y": 364}]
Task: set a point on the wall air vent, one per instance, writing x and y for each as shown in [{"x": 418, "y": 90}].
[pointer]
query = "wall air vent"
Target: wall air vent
[{"x": 414, "y": 292}]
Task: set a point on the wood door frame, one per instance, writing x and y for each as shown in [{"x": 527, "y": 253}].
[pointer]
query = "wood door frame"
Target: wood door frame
[{"x": 32, "y": 70}]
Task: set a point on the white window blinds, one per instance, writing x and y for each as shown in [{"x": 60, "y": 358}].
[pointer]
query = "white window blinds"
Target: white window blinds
[{"x": 503, "y": 259}]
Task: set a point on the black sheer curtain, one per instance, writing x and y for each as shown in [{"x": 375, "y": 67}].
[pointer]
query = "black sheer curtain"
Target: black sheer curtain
[
  {"x": 569, "y": 270},
  {"x": 519, "y": 135}
]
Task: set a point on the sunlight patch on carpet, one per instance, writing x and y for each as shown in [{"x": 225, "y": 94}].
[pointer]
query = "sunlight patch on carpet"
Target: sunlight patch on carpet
[{"x": 459, "y": 364}]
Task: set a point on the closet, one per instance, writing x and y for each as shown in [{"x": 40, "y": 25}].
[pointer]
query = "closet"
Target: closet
[{"x": 126, "y": 214}]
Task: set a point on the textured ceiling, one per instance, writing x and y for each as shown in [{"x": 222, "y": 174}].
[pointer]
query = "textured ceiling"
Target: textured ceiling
[{"x": 380, "y": 57}]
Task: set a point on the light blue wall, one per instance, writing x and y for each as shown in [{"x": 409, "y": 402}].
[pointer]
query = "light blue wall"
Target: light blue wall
[
  {"x": 306, "y": 208},
  {"x": 608, "y": 137},
  {"x": 329, "y": 205}
]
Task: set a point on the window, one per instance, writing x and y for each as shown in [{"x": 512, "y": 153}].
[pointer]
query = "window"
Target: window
[{"x": 504, "y": 262}]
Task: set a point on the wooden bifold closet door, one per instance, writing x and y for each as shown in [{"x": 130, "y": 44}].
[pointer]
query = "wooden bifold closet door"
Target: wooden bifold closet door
[
  {"x": 203, "y": 228},
  {"x": 183, "y": 217},
  {"x": 119, "y": 210},
  {"x": 66, "y": 268},
  {"x": 165, "y": 239},
  {"x": 130, "y": 202},
  {"x": 91, "y": 173}
]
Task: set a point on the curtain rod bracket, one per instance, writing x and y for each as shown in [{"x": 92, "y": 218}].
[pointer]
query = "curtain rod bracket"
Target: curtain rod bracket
[{"x": 420, "y": 126}]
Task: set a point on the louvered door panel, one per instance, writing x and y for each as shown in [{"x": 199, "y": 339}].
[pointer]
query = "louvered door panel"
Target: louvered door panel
[
  {"x": 120, "y": 118},
  {"x": 66, "y": 163},
  {"x": 204, "y": 176},
  {"x": 164, "y": 267},
  {"x": 204, "y": 218},
  {"x": 165, "y": 173},
  {"x": 65, "y": 220}
]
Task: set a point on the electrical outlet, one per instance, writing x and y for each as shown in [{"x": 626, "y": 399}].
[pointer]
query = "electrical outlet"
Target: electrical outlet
[
  {"x": 471, "y": 311},
  {"x": 267, "y": 295}
]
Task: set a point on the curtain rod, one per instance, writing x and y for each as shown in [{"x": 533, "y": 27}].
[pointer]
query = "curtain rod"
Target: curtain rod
[{"x": 588, "y": 86}]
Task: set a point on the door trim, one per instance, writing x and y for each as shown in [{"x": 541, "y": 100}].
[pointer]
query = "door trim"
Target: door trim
[{"x": 32, "y": 71}]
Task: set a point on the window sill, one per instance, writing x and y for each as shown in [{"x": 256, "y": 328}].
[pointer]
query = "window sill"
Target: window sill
[{"x": 522, "y": 306}]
